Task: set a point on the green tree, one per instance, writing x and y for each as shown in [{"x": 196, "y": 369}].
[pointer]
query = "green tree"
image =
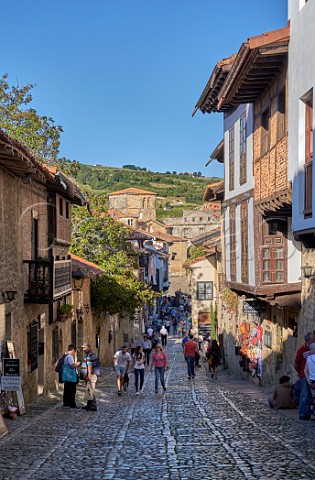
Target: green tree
[
  {"x": 37, "y": 132},
  {"x": 104, "y": 241},
  {"x": 213, "y": 320}
]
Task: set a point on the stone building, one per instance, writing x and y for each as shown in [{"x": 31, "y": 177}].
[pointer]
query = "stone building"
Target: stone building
[
  {"x": 192, "y": 223},
  {"x": 134, "y": 202},
  {"x": 35, "y": 265},
  {"x": 106, "y": 333},
  {"x": 261, "y": 303}
]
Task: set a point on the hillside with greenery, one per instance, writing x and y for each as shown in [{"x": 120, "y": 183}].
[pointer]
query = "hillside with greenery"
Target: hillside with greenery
[{"x": 173, "y": 189}]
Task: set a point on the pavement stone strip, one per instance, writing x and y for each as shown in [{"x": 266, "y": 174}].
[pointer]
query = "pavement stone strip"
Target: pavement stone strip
[{"x": 201, "y": 429}]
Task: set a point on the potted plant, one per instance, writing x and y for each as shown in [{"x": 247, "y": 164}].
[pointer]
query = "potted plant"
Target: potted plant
[{"x": 64, "y": 311}]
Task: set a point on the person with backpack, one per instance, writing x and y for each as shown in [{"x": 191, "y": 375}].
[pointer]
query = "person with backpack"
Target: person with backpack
[
  {"x": 70, "y": 387},
  {"x": 88, "y": 374},
  {"x": 160, "y": 365}
]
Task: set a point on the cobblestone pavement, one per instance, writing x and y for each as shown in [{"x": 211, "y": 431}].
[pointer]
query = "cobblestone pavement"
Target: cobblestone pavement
[{"x": 196, "y": 430}]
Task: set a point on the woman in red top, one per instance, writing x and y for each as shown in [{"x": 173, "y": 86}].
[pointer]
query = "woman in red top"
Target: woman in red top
[{"x": 160, "y": 365}]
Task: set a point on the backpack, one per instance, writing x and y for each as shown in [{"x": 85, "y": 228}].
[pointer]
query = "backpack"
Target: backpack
[
  {"x": 59, "y": 366},
  {"x": 97, "y": 367}
]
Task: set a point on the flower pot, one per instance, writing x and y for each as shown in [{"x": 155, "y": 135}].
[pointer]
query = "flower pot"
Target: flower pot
[{"x": 61, "y": 318}]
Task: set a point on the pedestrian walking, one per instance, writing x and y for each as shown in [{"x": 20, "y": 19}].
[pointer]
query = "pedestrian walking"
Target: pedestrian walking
[
  {"x": 160, "y": 365},
  {"x": 174, "y": 326},
  {"x": 70, "y": 387},
  {"x": 197, "y": 354},
  {"x": 164, "y": 333},
  {"x": 299, "y": 365},
  {"x": 155, "y": 339},
  {"x": 147, "y": 346},
  {"x": 138, "y": 363},
  {"x": 167, "y": 324},
  {"x": 150, "y": 332},
  {"x": 121, "y": 361},
  {"x": 213, "y": 356},
  {"x": 132, "y": 345},
  {"x": 190, "y": 348},
  {"x": 88, "y": 374}
]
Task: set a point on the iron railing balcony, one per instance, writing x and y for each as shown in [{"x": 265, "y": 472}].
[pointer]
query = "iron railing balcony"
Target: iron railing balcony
[{"x": 46, "y": 280}]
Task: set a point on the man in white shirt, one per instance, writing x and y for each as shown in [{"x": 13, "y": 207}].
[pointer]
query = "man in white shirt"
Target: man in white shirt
[
  {"x": 121, "y": 361},
  {"x": 163, "y": 333}
]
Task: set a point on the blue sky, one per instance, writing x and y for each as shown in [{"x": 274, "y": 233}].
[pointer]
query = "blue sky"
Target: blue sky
[{"x": 123, "y": 76}]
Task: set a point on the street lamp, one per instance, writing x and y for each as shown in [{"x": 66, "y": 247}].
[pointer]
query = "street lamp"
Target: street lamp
[
  {"x": 78, "y": 277},
  {"x": 9, "y": 295}
]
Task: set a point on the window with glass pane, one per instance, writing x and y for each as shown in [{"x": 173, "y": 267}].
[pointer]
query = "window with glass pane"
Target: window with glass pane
[
  {"x": 279, "y": 276},
  {"x": 266, "y": 264},
  {"x": 266, "y": 277},
  {"x": 279, "y": 252},
  {"x": 266, "y": 253},
  {"x": 204, "y": 290},
  {"x": 279, "y": 265}
]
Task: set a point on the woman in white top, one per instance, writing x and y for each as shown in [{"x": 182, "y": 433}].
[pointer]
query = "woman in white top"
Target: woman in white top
[{"x": 138, "y": 362}]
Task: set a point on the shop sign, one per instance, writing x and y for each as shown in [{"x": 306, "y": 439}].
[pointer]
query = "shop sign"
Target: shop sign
[
  {"x": 11, "y": 380},
  {"x": 204, "y": 329},
  {"x": 254, "y": 307}
]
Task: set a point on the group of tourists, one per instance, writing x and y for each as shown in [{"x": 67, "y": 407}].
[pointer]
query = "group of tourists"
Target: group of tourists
[
  {"x": 70, "y": 378},
  {"x": 136, "y": 362}
]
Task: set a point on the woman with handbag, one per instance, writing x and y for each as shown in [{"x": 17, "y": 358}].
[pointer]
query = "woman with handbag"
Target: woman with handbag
[
  {"x": 160, "y": 365},
  {"x": 69, "y": 377}
]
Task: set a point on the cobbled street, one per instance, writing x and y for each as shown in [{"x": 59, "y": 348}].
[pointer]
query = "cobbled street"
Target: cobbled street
[{"x": 196, "y": 430}]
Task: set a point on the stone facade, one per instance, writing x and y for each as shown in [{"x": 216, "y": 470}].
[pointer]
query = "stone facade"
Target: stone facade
[
  {"x": 139, "y": 203},
  {"x": 191, "y": 224},
  {"x": 35, "y": 209}
]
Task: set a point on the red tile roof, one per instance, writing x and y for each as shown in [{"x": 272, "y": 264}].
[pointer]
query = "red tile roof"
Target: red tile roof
[{"x": 83, "y": 263}]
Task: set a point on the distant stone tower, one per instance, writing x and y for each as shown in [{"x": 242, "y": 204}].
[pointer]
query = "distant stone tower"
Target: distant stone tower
[{"x": 134, "y": 201}]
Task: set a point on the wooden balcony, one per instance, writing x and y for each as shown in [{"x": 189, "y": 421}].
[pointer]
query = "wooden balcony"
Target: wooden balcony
[
  {"x": 37, "y": 275},
  {"x": 46, "y": 280}
]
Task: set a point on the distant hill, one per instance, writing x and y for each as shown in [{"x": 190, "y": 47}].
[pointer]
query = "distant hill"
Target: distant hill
[{"x": 172, "y": 189}]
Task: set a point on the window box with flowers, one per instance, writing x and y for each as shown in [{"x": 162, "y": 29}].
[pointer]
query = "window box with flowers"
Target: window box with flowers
[{"x": 64, "y": 312}]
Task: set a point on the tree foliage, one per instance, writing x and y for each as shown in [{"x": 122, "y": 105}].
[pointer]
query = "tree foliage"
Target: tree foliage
[
  {"x": 102, "y": 240},
  {"x": 195, "y": 252},
  {"x": 37, "y": 132}
]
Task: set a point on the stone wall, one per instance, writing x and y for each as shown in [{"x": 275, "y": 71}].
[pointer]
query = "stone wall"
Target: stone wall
[{"x": 192, "y": 224}]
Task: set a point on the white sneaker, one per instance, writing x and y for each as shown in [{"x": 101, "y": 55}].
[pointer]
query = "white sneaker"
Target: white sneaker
[
  {"x": 141, "y": 392},
  {"x": 137, "y": 393}
]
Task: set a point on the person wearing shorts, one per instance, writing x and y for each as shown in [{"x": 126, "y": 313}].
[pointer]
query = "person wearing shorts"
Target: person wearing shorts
[{"x": 121, "y": 361}]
